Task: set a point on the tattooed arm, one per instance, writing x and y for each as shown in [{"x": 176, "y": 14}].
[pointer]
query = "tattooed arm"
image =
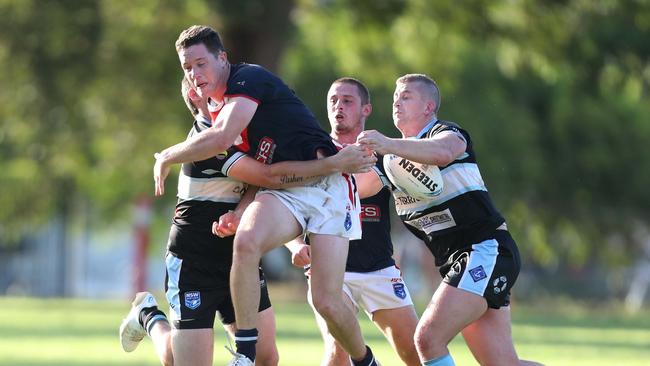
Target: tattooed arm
[{"x": 352, "y": 158}]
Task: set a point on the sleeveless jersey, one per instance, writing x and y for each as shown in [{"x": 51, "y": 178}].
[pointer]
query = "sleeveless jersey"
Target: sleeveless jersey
[
  {"x": 462, "y": 214},
  {"x": 374, "y": 251},
  {"x": 205, "y": 192},
  {"x": 282, "y": 128}
]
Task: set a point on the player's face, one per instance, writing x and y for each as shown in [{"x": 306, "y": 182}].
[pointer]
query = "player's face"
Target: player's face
[
  {"x": 205, "y": 71},
  {"x": 409, "y": 105},
  {"x": 344, "y": 109}
]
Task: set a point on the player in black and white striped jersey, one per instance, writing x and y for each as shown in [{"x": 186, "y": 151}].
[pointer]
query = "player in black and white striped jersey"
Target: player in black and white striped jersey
[{"x": 478, "y": 259}]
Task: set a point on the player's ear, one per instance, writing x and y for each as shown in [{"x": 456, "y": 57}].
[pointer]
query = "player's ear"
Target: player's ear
[{"x": 366, "y": 109}]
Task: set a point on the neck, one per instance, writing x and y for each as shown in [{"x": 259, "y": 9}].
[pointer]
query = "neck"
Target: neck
[{"x": 348, "y": 137}]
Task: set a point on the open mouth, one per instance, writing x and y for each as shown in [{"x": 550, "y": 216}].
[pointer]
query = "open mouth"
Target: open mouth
[{"x": 339, "y": 117}]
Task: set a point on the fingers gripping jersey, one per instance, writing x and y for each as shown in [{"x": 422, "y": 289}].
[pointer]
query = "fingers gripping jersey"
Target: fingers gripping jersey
[
  {"x": 463, "y": 213},
  {"x": 282, "y": 128}
]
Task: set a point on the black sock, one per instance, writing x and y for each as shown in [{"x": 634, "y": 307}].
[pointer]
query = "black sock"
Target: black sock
[
  {"x": 149, "y": 316},
  {"x": 368, "y": 359},
  {"x": 245, "y": 340}
]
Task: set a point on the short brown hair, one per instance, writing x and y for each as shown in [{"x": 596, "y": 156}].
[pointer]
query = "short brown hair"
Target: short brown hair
[
  {"x": 198, "y": 34},
  {"x": 364, "y": 94},
  {"x": 429, "y": 84}
]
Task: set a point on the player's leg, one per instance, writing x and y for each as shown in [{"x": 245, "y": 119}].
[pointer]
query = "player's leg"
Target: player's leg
[
  {"x": 385, "y": 297},
  {"x": 334, "y": 354},
  {"x": 449, "y": 311},
  {"x": 398, "y": 325},
  {"x": 490, "y": 339},
  {"x": 193, "y": 346},
  {"x": 266, "y": 350},
  {"x": 329, "y": 255},
  {"x": 266, "y": 224},
  {"x": 161, "y": 336},
  {"x": 145, "y": 318}
]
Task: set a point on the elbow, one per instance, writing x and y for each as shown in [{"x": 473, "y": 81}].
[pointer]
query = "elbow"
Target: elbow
[{"x": 268, "y": 179}]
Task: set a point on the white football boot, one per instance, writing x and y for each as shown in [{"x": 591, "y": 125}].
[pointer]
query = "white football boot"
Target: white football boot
[
  {"x": 238, "y": 359},
  {"x": 131, "y": 331}
]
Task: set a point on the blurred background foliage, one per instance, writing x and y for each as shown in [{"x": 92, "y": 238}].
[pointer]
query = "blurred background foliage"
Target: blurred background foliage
[{"x": 554, "y": 93}]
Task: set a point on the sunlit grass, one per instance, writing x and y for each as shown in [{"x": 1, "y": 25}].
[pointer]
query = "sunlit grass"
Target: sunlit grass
[{"x": 84, "y": 332}]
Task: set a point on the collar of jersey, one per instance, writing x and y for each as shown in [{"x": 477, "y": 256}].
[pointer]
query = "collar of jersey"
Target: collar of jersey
[
  {"x": 200, "y": 118},
  {"x": 426, "y": 128}
]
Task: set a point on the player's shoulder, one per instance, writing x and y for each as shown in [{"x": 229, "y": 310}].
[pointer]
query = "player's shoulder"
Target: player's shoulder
[
  {"x": 247, "y": 73},
  {"x": 443, "y": 125}
]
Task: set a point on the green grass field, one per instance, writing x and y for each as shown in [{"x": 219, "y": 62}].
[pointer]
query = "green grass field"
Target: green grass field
[{"x": 37, "y": 332}]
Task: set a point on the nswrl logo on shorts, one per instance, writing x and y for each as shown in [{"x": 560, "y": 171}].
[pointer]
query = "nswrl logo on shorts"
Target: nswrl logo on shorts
[
  {"x": 399, "y": 290},
  {"x": 477, "y": 273},
  {"x": 348, "y": 221},
  {"x": 192, "y": 299}
]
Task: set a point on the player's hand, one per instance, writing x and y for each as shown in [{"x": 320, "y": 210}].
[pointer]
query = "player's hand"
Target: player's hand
[
  {"x": 301, "y": 257},
  {"x": 375, "y": 141},
  {"x": 355, "y": 159},
  {"x": 227, "y": 224},
  {"x": 160, "y": 173}
]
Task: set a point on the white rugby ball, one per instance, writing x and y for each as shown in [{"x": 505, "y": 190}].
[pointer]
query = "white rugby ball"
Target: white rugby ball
[{"x": 418, "y": 180}]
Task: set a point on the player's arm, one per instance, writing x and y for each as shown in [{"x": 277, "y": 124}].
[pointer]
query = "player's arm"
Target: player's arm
[
  {"x": 440, "y": 150},
  {"x": 368, "y": 184},
  {"x": 235, "y": 115},
  {"x": 300, "y": 254},
  {"x": 352, "y": 158}
]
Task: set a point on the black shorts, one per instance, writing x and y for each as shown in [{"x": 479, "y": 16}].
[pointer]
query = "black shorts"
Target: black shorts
[
  {"x": 196, "y": 291},
  {"x": 488, "y": 269}
]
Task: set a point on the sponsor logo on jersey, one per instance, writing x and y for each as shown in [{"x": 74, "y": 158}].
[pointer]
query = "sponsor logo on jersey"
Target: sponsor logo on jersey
[
  {"x": 395, "y": 279},
  {"x": 399, "y": 290},
  {"x": 192, "y": 299},
  {"x": 433, "y": 221},
  {"x": 370, "y": 213},
  {"x": 265, "y": 150},
  {"x": 477, "y": 273}
]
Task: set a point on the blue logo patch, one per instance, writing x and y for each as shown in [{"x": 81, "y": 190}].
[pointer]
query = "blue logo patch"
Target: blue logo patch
[
  {"x": 192, "y": 299},
  {"x": 399, "y": 290},
  {"x": 348, "y": 221},
  {"x": 478, "y": 273}
]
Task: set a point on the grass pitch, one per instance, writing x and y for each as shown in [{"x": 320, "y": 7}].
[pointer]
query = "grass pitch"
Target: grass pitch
[{"x": 37, "y": 332}]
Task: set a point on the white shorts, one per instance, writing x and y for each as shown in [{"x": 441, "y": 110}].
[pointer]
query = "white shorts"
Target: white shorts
[
  {"x": 329, "y": 206},
  {"x": 378, "y": 290}
]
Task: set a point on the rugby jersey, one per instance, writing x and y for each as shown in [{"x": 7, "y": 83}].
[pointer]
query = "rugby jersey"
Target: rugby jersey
[
  {"x": 463, "y": 214},
  {"x": 282, "y": 128}
]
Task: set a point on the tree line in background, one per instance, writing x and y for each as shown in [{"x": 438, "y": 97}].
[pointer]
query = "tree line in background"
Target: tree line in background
[{"x": 554, "y": 94}]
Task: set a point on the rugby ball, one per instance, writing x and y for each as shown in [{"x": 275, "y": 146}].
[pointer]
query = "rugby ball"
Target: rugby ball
[{"x": 418, "y": 180}]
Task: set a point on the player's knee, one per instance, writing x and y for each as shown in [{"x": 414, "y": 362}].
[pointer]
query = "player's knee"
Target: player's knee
[
  {"x": 325, "y": 306},
  {"x": 425, "y": 340},
  {"x": 247, "y": 247}
]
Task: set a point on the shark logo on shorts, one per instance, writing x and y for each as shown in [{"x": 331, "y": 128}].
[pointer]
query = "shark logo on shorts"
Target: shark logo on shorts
[
  {"x": 478, "y": 273},
  {"x": 399, "y": 290},
  {"x": 348, "y": 221},
  {"x": 192, "y": 299}
]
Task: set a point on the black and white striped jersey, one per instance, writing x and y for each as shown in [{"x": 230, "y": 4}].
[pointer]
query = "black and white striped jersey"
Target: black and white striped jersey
[{"x": 462, "y": 214}]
